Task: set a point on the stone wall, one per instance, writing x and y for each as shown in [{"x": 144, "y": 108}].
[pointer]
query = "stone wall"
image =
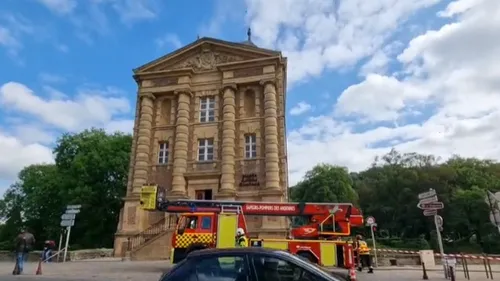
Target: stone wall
[{"x": 71, "y": 256}]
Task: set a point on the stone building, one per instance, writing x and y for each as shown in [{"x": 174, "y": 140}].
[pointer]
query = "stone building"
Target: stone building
[{"x": 209, "y": 124}]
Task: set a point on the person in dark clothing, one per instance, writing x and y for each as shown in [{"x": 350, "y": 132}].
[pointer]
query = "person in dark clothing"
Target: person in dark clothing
[{"x": 24, "y": 244}]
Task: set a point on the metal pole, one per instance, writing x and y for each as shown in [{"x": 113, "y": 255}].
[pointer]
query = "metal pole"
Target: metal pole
[
  {"x": 374, "y": 245},
  {"x": 440, "y": 242},
  {"x": 68, "y": 231},
  {"x": 60, "y": 244}
]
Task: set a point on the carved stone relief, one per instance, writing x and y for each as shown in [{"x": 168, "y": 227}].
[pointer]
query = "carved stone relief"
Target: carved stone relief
[{"x": 205, "y": 60}]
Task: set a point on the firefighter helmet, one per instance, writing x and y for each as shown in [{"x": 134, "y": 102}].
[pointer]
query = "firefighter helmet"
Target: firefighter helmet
[{"x": 240, "y": 231}]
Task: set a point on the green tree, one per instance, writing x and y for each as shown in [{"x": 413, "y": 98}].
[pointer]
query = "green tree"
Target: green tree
[
  {"x": 325, "y": 183},
  {"x": 90, "y": 169},
  {"x": 93, "y": 168}
]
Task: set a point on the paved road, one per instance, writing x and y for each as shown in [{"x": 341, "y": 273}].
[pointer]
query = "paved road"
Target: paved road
[{"x": 151, "y": 271}]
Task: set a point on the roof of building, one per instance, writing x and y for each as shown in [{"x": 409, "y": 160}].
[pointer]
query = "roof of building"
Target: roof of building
[{"x": 247, "y": 44}]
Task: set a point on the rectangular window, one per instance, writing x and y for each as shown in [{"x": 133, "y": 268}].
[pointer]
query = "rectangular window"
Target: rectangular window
[
  {"x": 206, "y": 223},
  {"x": 207, "y": 109},
  {"x": 250, "y": 146},
  {"x": 205, "y": 149},
  {"x": 163, "y": 153}
]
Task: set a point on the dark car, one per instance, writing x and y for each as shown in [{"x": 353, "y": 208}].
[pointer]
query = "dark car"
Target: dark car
[{"x": 246, "y": 264}]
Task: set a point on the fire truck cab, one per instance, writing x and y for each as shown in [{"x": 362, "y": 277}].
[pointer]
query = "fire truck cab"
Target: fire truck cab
[{"x": 212, "y": 224}]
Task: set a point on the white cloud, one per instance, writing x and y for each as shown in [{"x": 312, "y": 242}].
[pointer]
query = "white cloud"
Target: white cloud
[
  {"x": 38, "y": 121},
  {"x": 88, "y": 108},
  {"x": 171, "y": 40},
  {"x": 322, "y": 34},
  {"x": 301, "y": 108},
  {"x": 50, "y": 78},
  {"x": 449, "y": 78},
  {"x": 136, "y": 10},
  {"x": 16, "y": 155},
  {"x": 13, "y": 28},
  {"x": 61, "y": 7}
]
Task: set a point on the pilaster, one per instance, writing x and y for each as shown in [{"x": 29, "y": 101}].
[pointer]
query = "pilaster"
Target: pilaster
[
  {"x": 181, "y": 143},
  {"x": 142, "y": 151},
  {"x": 271, "y": 136},
  {"x": 228, "y": 140}
]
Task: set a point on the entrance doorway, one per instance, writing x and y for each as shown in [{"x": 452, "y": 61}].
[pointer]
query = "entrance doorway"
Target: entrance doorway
[{"x": 203, "y": 194}]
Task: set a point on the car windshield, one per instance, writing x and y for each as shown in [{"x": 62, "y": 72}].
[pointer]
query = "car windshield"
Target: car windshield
[{"x": 309, "y": 265}]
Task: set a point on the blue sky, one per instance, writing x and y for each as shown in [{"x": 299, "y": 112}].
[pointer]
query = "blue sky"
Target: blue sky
[{"x": 363, "y": 77}]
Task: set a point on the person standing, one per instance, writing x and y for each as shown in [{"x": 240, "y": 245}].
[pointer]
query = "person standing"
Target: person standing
[
  {"x": 241, "y": 240},
  {"x": 363, "y": 253},
  {"x": 25, "y": 242}
]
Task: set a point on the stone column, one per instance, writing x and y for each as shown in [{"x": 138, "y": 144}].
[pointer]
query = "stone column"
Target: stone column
[
  {"x": 271, "y": 136},
  {"x": 228, "y": 140},
  {"x": 181, "y": 143},
  {"x": 142, "y": 150}
]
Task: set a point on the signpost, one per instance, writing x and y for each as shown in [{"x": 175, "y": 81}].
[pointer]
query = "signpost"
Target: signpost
[
  {"x": 370, "y": 221},
  {"x": 67, "y": 221},
  {"x": 430, "y": 213},
  {"x": 430, "y": 205}
]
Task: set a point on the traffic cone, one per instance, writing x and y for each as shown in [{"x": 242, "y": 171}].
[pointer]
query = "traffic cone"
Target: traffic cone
[
  {"x": 16, "y": 269},
  {"x": 352, "y": 274},
  {"x": 39, "y": 268}
]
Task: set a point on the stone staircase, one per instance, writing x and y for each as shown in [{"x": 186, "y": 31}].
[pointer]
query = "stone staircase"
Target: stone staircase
[{"x": 154, "y": 243}]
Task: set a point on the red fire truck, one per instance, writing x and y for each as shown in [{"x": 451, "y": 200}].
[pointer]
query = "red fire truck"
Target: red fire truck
[{"x": 212, "y": 224}]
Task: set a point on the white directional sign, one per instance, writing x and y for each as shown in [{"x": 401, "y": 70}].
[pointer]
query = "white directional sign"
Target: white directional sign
[
  {"x": 429, "y": 200},
  {"x": 73, "y": 207},
  {"x": 73, "y": 211},
  {"x": 67, "y": 223},
  {"x": 370, "y": 220},
  {"x": 430, "y": 213},
  {"x": 68, "y": 217},
  {"x": 431, "y": 206},
  {"x": 427, "y": 194}
]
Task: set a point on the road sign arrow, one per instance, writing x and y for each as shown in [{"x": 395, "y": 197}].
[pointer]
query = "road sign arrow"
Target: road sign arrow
[
  {"x": 73, "y": 211},
  {"x": 431, "y": 206},
  {"x": 66, "y": 223},
  {"x": 68, "y": 216},
  {"x": 429, "y": 213},
  {"x": 427, "y": 194},
  {"x": 429, "y": 200},
  {"x": 73, "y": 207}
]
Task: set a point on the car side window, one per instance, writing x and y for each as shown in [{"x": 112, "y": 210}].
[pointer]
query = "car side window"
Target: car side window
[
  {"x": 223, "y": 268},
  {"x": 269, "y": 268}
]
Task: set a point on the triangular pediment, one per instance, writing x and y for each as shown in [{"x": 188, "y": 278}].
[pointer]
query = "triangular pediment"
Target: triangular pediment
[{"x": 205, "y": 54}]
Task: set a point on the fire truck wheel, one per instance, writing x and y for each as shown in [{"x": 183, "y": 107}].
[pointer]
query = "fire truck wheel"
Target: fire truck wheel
[
  {"x": 308, "y": 256},
  {"x": 195, "y": 247}
]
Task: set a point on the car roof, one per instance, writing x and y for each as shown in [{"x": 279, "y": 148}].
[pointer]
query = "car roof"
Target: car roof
[{"x": 242, "y": 250}]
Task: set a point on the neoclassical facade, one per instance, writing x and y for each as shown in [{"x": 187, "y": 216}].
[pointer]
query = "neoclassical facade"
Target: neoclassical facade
[{"x": 209, "y": 124}]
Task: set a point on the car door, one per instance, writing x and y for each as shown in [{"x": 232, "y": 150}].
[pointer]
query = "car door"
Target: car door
[
  {"x": 222, "y": 267},
  {"x": 267, "y": 267}
]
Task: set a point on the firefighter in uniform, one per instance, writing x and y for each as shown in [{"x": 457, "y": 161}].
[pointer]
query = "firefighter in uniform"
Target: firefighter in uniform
[
  {"x": 241, "y": 240},
  {"x": 362, "y": 253}
]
